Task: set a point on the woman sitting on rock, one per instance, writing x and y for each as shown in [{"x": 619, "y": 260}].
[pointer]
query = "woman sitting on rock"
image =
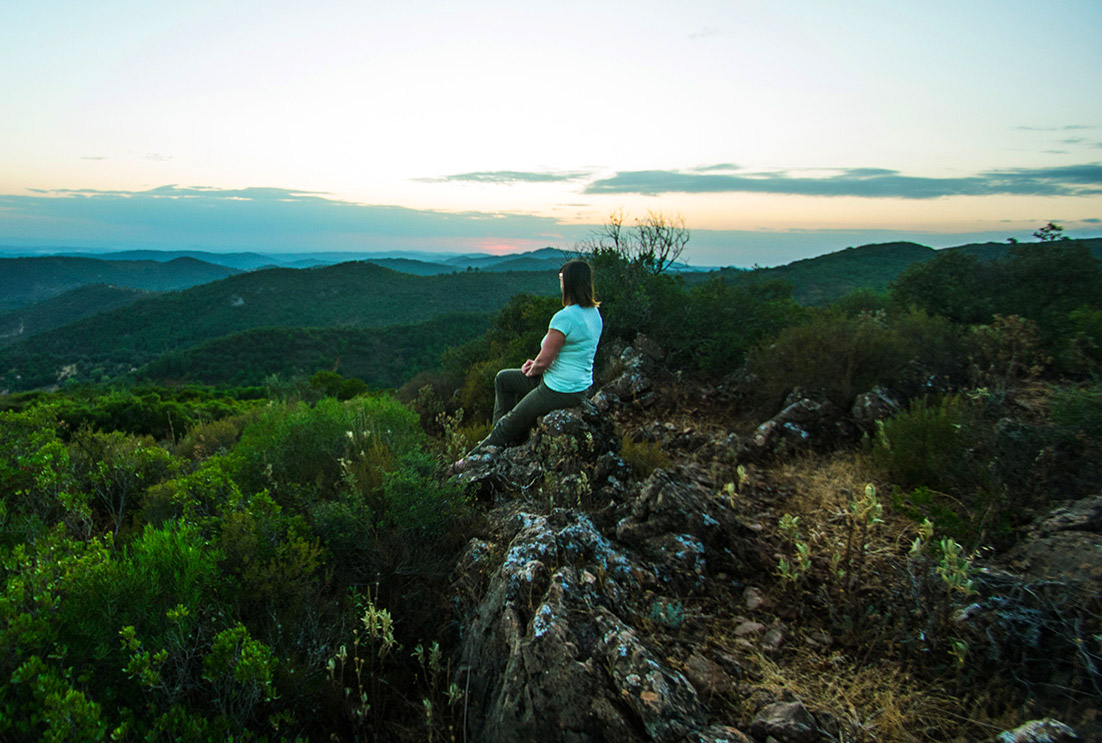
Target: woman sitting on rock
[{"x": 561, "y": 372}]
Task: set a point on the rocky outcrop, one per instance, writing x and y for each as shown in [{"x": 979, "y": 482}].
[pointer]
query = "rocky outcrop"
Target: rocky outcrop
[
  {"x": 552, "y": 654},
  {"x": 572, "y": 607},
  {"x": 807, "y": 422}
]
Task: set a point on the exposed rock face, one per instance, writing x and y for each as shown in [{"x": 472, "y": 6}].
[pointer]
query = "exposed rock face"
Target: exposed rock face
[
  {"x": 551, "y": 652},
  {"x": 568, "y": 441}
]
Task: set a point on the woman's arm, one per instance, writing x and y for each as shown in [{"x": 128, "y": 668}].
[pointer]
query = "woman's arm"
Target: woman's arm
[{"x": 549, "y": 350}]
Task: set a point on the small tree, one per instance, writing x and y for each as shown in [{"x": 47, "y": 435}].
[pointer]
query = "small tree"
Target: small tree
[
  {"x": 654, "y": 243},
  {"x": 1050, "y": 233}
]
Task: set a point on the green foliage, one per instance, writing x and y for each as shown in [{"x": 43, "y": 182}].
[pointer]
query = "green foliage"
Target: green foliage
[
  {"x": 1044, "y": 282},
  {"x": 844, "y": 356},
  {"x": 241, "y": 670},
  {"x": 116, "y": 469},
  {"x": 954, "y": 284},
  {"x": 720, "y": 322},
  {"x": 927, "y": 445},
  {"x": 1078, "y": 412}
]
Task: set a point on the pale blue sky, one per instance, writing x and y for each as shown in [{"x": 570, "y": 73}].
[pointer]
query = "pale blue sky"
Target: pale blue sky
[{"x": 777, "y": 130}]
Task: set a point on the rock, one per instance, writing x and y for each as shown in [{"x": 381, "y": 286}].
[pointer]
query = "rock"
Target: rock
[
  {"x": 1080, "y": 515},
  {"x": 707, "y": 676},
  {"x": 1039, "y": 731},
  {"x": 1064, "y": 545},
  {"x": 749, "y": 628},
  {"x": 687, "y": 531},
  {"x": 808, "y": 422},
  {"x": 773, "y": 640},
  {"x": 549, "y": 656},
  {"x": 719, "y": 734},
  {"x": 635, "y": 383},
  {"x": 752, "y": 598},
  {"x": 566, "y": 442},
  {"x": 872, "y": 406},
  {"x": 788, "y": 722}
]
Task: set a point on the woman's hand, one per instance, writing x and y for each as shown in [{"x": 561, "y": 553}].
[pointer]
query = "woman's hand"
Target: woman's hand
[{"x": 549, "y": 350}]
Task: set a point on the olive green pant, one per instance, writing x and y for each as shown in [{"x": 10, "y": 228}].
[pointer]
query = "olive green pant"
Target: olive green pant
[{"x": 518, "y": 401}]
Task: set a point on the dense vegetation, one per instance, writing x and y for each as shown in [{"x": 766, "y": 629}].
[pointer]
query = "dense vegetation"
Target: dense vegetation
[
  {"x": 349, "y": 295},
  {"x": 203, "y": 589},
  {"x": 271, "y": 562},
  {"x": 386, "y": 357},
  {"x": 75, "y": 304}
]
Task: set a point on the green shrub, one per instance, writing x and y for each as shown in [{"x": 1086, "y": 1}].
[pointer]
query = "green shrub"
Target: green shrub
[
  {"x": 301, "y": 453},
  {"x": 116, "y": 469},
  {"x": 926, "y": 445},
  {"x": 839, "y": 356},
  {"x": 720, "y": 322},
  {"x": 195, "y": 497},
  {"x": 1079, "y": 412}
]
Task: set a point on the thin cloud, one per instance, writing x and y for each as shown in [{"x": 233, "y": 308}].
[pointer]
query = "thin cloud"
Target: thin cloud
[
  {"x": 507, "y": 177},
  {"x": 1068, "y": 128},
  {"x": 269, "y": 218},
  {"x": 872, "y": 183}
]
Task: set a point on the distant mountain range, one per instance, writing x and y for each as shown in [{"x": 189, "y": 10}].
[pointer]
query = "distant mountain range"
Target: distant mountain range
[
  {"x": 24, "y": 281},
  {"x": 420, "y": 263}
]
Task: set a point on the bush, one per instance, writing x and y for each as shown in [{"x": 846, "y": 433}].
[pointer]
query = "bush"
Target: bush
[
  {"x": 925, "y": 446},
  {"x": 720, "y": 322},
  {"x": 836, "y": 355}
]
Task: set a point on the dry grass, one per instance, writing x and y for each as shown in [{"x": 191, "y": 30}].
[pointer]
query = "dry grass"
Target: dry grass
[{"x": 877, "y": 702}]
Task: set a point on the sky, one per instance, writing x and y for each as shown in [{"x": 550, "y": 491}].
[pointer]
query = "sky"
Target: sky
[{"x": 776, "y": 129}]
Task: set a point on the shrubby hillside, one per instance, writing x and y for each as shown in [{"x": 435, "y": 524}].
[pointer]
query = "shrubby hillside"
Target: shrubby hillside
[
  {"x": 349, "y": 295},
  {"x": 387, "y": 357},
  {"x": 872, "y": 520},
  {"x": 68, "y": 307}
]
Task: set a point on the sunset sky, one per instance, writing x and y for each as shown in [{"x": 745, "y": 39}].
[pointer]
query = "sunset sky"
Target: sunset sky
[{"x": 778, "y": 129}]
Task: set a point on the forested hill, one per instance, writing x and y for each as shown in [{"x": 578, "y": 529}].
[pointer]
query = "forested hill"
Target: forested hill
[
  {"x": 823, "y": 279},
  {"x": 75, "y": 304},
  {"x": 27, "y": 280},
  {"x": 351, "y": 295}
]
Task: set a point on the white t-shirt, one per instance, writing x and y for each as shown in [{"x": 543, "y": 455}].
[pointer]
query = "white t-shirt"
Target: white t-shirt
[{"x": 572, "y": 369}]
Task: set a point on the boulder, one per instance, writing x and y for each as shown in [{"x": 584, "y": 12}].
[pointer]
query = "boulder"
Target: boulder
[
  {"x": 787, "y": 722},
  {"x": 635, "y": 382},
  {"x": 1064, "y": 544},
  {"x": 875, "y": 405},
  {"x": 808, "y": 422}
]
